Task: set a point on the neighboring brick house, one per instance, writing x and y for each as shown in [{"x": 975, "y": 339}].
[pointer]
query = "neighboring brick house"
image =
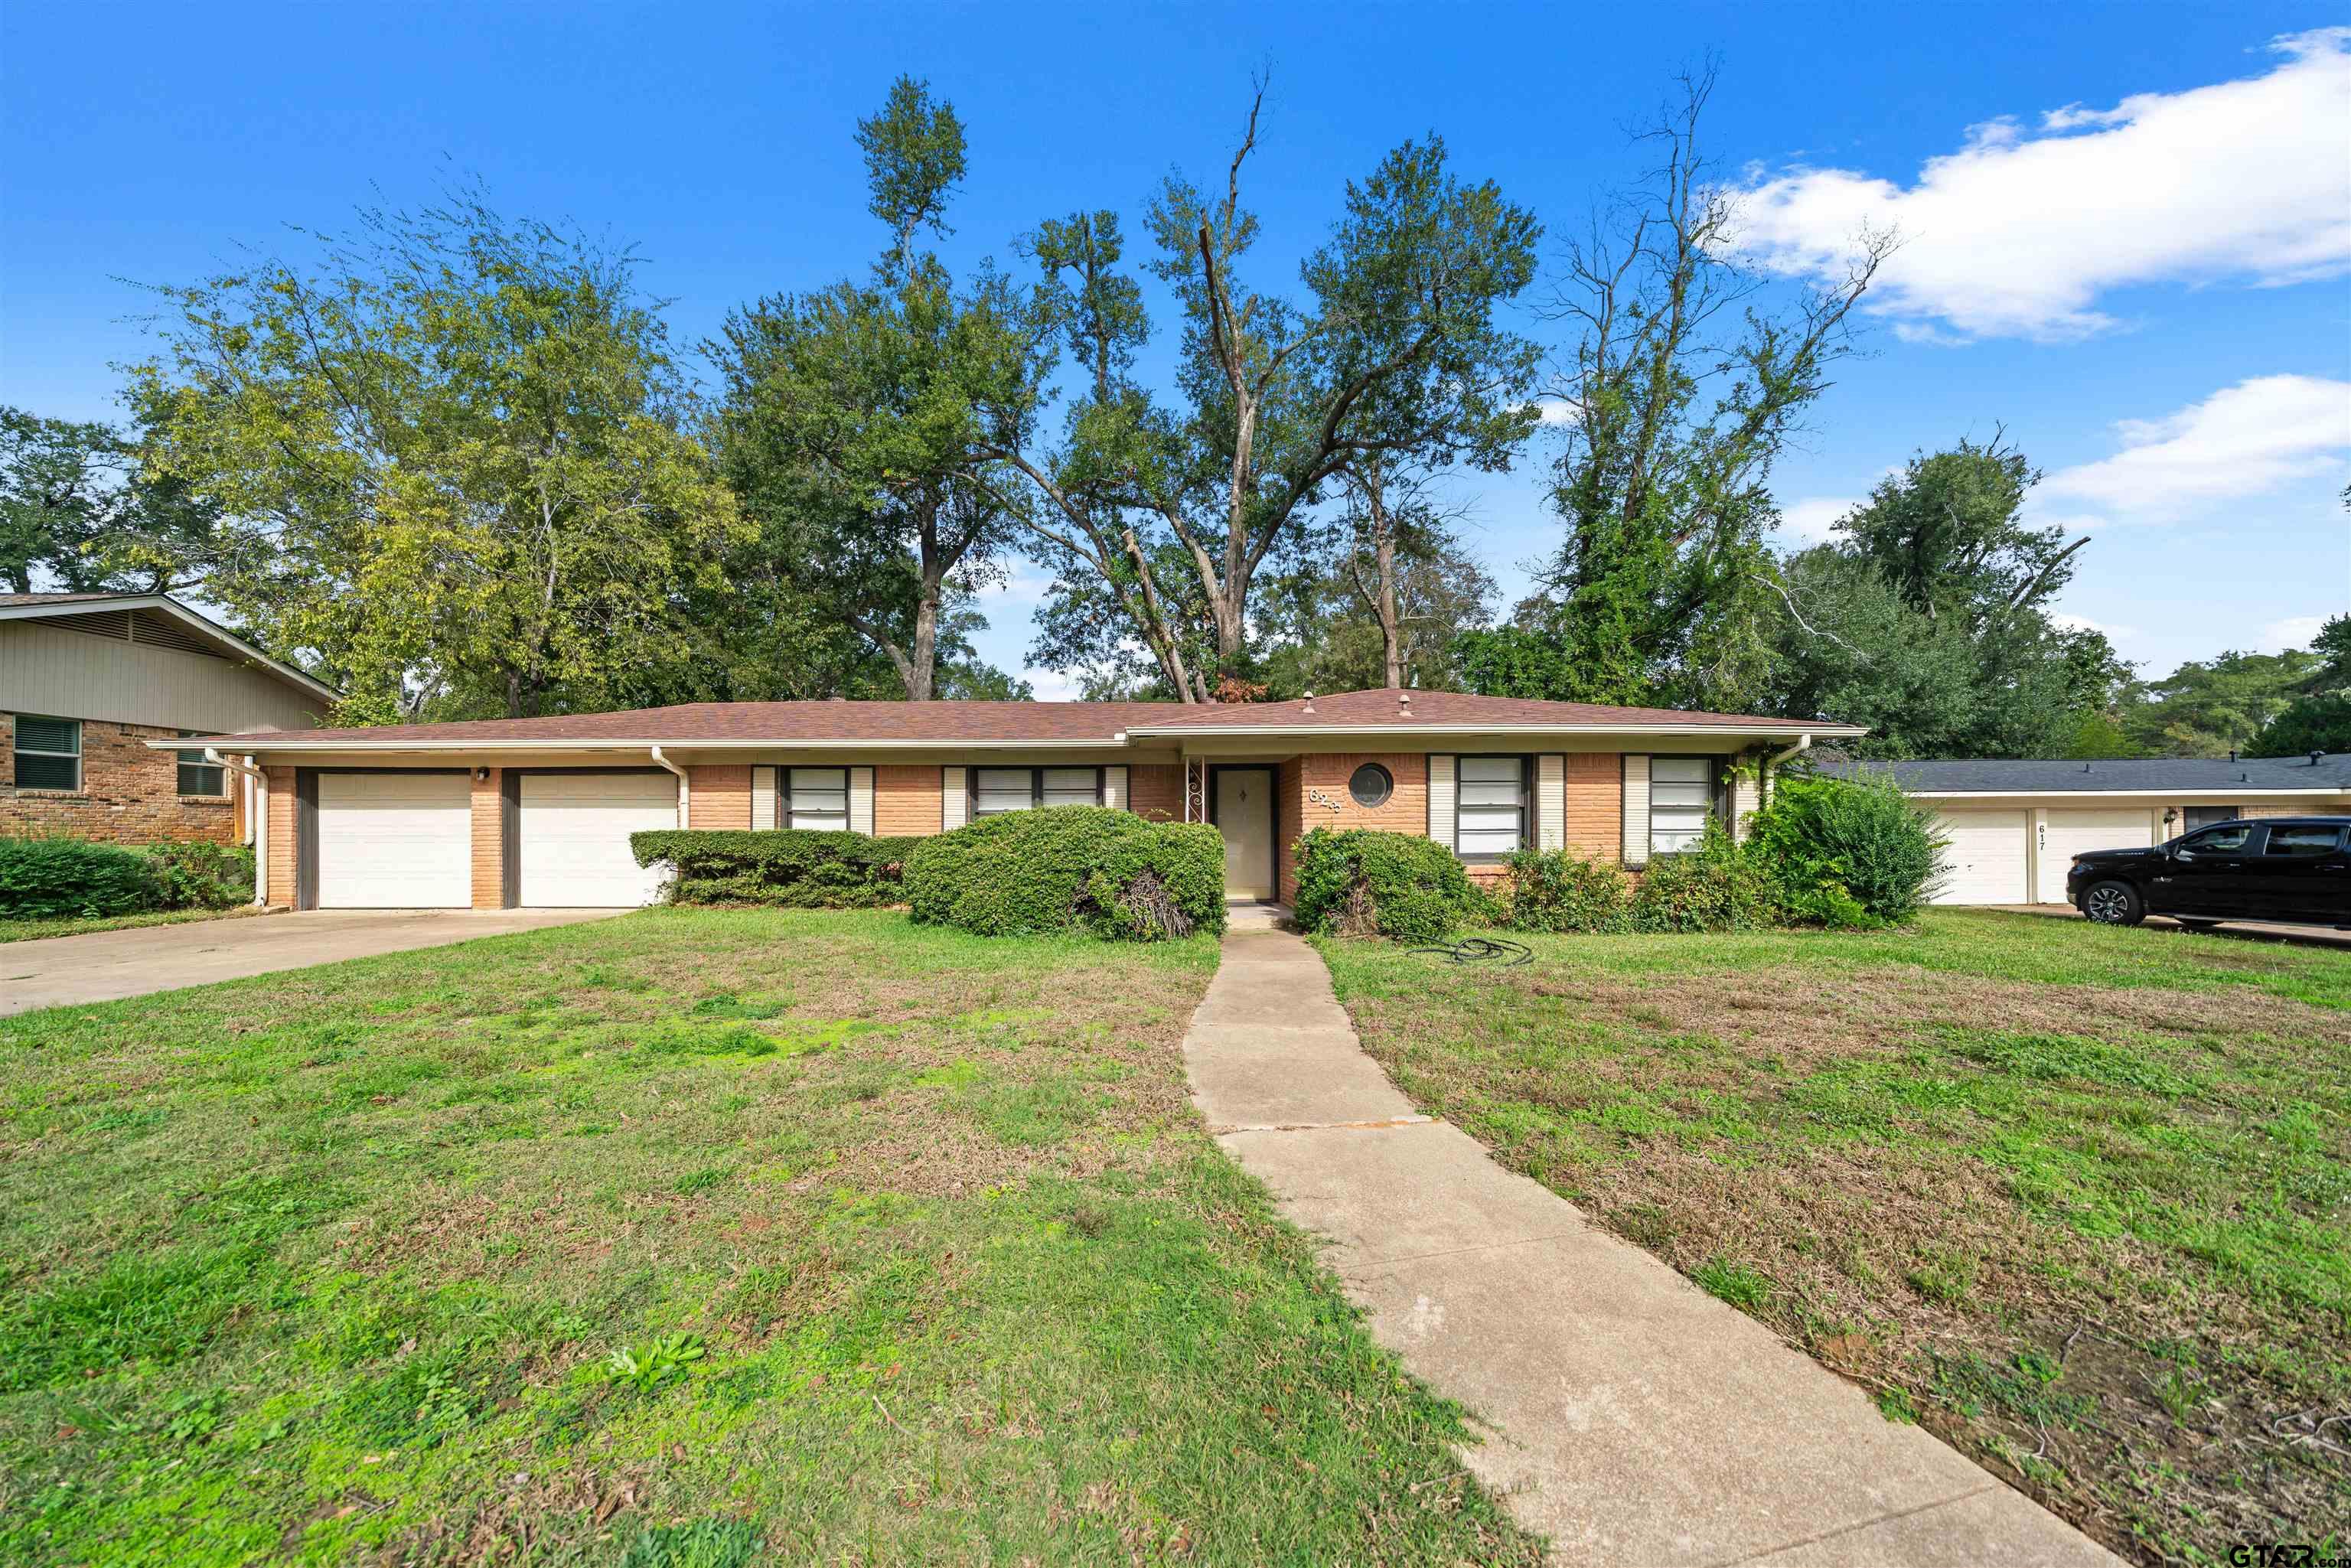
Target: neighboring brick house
[
  {"x": 538, "y": 812},
  {"x": 89, "y": 680}
]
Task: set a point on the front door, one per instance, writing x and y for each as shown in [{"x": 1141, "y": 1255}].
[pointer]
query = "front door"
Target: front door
[{"x": 1242, "y": 808}]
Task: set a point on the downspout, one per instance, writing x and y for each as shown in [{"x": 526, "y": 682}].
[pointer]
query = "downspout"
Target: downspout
[
  {"x": 260, "y": 782},
  {"x": 1771, "y": 766},
  {"x": 686, "y": 786}
]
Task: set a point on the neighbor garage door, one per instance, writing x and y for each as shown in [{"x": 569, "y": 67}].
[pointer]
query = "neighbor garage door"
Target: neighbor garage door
[
  {"x": 394, "y": 841},
  {"x": 574, "y": 837},
  {"x": 1984, "y": 859},
  {"x": 2071, "y": 831}
]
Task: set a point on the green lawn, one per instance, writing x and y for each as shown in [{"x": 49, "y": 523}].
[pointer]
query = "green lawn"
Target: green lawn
[
  {"x": 692, "y": 1237},
  {"x": 80, "y": 925},
  {"x": 2077, "y": 1198}
]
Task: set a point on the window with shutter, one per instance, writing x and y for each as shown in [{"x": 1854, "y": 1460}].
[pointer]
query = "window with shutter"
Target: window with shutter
[
  {"x": 1491, "y": 807},
  {"x": 819, "y": 798}
]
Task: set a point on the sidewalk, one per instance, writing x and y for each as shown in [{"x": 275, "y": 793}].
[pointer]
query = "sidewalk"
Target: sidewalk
[{"x": 1633, "y": 1418}]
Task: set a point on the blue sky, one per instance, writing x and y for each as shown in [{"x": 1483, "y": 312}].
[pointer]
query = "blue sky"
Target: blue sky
[{"x": 2128, "y": 226}]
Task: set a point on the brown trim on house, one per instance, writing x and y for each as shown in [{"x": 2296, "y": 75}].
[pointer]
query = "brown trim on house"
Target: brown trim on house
[
  {"x": 510, "y": 839},
  {"x": 306, "y": 837}
]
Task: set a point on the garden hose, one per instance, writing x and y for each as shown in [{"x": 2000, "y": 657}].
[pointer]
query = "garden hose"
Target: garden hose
[{"x": 1496, "y": 950}]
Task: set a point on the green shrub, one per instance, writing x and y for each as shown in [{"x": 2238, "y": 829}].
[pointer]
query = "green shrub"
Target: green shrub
[
  {"x": 1361, "y": 881},
  {"x": 1072, "y": 868},
  {"x": 1718, "y": 886},
  {"x": 789, "y": 867},
  {"x": 46, "y": 877},
  {"x": 203, "y": 876},
  {"x": 1554, "y": 890},
  {"x": 1848, "y": 852}
]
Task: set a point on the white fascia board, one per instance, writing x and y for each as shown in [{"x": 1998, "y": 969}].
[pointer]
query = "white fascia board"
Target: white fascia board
[
  {"x": 1344, "y": 732},
  {"x": 180, "y": 613}
]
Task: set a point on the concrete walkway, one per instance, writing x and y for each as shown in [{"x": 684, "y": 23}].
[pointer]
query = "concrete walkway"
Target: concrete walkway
[
  {"x": 107, "y": 965},
  {"x": 1634, "y": 1419}
]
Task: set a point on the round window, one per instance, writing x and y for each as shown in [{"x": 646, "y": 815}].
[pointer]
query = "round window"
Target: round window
[{"x": 1371, "y": 785}]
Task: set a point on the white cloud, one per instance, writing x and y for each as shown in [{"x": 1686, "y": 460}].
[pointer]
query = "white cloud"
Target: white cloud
[
  {"x": 1810, "y": 520},
  {"x": 2242, "y": 441},
  {"x": 2019, "y": 232},
  {"x": 1052, "y": 686},
  {"x": 2294, "y": 632},
  {"x": 2114, "y": 634}
]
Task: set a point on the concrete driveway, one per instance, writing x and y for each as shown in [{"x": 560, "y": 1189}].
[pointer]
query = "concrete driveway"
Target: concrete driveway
[{"x": 105, "y": 965}]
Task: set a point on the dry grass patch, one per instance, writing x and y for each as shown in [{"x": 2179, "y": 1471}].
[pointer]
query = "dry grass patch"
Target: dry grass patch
[{"x": 2078, "y": 1200}]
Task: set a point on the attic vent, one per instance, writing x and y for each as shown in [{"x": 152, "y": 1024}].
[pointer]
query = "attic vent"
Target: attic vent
[
  {"x": 156, "y": 630},
  {"x": 114, "y": 624}
]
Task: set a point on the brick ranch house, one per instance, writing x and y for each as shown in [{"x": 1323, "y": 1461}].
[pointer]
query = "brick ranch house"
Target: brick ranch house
[
  {"x": 89, "y": 682},
  {"x": 499, "y": 813}
]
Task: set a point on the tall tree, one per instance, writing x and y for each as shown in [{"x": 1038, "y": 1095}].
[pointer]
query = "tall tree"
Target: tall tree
[
  {"x": 1929, "y": 618},
  {"x": 452, "y": 459},
  {"x": 1166, "y": 514},
  {"x": 1384, "y": 606},
  {"x": 1679, "y": 391},
  {"x": 856, "y": 418},
  {"x": 81, "y": 512},
  {"x": 2207, "y": 708}
]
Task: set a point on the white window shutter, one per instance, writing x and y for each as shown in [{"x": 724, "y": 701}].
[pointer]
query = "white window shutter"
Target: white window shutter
[
  {"x": 762, "y": 797},
  {"x": 1440, "y": 798},
  {"x": 1746, "y": 800},
  {"x": 955, "y": 804},
  {"x": 1636, "y": 810},
  {"x": 1551, "y": 802},
  {"x": 1114, "y": 788},
  {"x": 861, "y": 801}
]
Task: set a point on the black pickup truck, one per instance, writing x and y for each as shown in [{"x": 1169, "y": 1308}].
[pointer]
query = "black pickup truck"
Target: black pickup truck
[{"x": 2293, "y": 870}]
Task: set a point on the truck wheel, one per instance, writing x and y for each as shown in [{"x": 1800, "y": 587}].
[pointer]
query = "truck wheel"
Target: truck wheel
[{"x": 2114, "y": 903}]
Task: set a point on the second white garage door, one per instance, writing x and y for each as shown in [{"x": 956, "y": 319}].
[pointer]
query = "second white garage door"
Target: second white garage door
[
  {"x": 1984, "y": 861},
  {"x": 394, "y": 841},
  {"x": 573, "y": 837},
  {"x": 2071, "y": 831}
]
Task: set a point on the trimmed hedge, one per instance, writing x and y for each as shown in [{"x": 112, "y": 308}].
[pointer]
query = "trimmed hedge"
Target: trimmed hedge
[
  {"x": 1720, "y": 886},
  {"x": 1361, "y": 881},
  {"x": 1072, "y": 868},
  {"x": 1559, "y": 891},
  {"x": 1851, "y": 852},
  {"x": 791, "y": 868}
]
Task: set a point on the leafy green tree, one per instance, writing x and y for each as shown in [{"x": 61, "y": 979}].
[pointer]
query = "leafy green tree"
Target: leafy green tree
[
  {"x": 1680, "y": 390},
  {"x": 1930, "y": 616},
  {"x": 1926, "y": 686},
  {"x": 1165, "y": 514},
  {"x": 1383, "y": 606},
  {"x": 2207, "y": 708},
  {"x": 81, "y": 512},
  {"x": 856, "y": 419},
  {"x": 454, "y": 460},
  {"x": 2320, "y": 722}
]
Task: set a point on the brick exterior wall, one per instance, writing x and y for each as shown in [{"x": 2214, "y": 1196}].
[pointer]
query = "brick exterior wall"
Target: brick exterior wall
[
  {"x": 1289, "y": 827},
  {"x": 128, "y": 795},
  {"x": 906, "y": 800},
  {"x": 719, "y": 796},
  {"x": 1596, "y": 805},
  {"x": 281, "y": 837},
  {"x": 489, "y": 846},
  {"x": 1155, "y": 789}
]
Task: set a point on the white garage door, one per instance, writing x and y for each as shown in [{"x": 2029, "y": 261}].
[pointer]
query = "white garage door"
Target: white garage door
[
  {"x": 396, "y": 840},
  {"x": 2071, "y": 831},
  {"x": 1984, "y": 861},
  {"x": 574, "y": 838}
]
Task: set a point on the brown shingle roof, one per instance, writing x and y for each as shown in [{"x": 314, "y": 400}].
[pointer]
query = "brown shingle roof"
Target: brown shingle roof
[
  {"x": 13, "y": 601},
  {"x": 984, "y": 723},
  {"x": 1446, "y": 710}
]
